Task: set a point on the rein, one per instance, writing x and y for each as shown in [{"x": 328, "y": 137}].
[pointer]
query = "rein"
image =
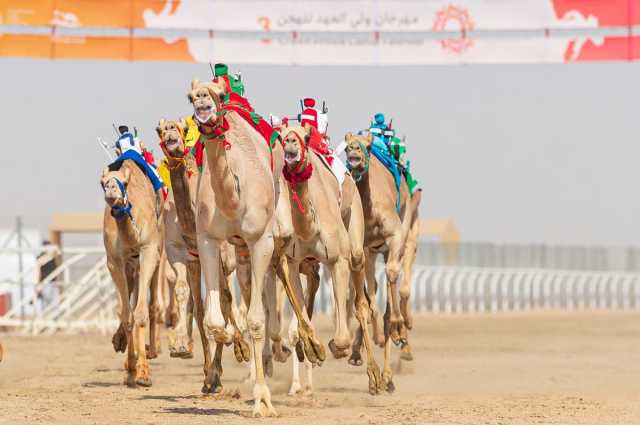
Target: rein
[
  {"x": 301, "y": 173},
  {"x": 357, "y": 175}
]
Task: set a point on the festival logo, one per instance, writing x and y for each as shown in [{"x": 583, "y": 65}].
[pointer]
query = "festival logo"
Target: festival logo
[{"x": 453, "y": 18}]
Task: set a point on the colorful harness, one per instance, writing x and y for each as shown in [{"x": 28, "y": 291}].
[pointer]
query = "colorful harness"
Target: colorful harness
[{"x": 301, "y": 173}]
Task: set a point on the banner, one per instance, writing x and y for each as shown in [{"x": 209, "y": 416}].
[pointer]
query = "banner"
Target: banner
[{"x": 329, "y": 32}]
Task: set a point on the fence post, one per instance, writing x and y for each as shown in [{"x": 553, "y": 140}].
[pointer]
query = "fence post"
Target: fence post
[{"x": 20, "y": 264}]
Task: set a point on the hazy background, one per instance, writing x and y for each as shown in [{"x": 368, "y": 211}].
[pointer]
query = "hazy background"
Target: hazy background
[{"x": 519, "y": 153}]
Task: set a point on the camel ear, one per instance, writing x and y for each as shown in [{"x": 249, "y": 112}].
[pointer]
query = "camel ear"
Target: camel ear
[
  {"x": 159, "y": 127},
  {"x": 183, "y": 124},
  {"x": 348, "y": 136},
  {"x": 369, "y": 138},
  {"x": 105, "y": 171},
  {"x": 194, "y": 83}
]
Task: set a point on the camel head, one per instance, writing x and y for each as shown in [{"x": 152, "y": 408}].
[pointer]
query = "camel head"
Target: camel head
[
  {"x": 357, "y": 151},
  {"x": 294, "y": 142},
  {"x": 205, "y": 98},
  {"x": 114, "y": 184},
  {"x": 171, "y": 135}
]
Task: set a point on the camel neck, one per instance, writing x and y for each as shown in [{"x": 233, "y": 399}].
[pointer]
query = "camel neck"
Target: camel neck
[
  {"x": 302, "y": 212},
  {"x": 127, "y": 230},
  {"x": 364, "y": 188},
  {"x": 223, "y": 182},
  {"x": 182, "y": 197}
]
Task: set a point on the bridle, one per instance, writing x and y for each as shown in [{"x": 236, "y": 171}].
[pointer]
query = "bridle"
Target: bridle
[
  {"x": 302, "y": 171},
  {"x": 177, "y": 160},
  {"x": 215, "y": 130},
  {"x": 119, "y": 212}
]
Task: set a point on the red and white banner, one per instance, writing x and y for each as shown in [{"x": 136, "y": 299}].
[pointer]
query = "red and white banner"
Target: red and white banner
[{"x": 331, "y": 32}]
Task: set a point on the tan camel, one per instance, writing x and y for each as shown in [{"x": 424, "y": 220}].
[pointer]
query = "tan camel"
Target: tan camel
[
  {"x": 329, "y": 229},
  {"x": 182, "y": 240},
  {"x": 1, "y": 352},
  {"x": 240, "y": 201},
  {"x": 132, "y": 238},
  {"x": 386, "y": 233}
]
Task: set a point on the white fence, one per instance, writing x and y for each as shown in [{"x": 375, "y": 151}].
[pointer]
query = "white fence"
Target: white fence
[{"x": 81, "y": 296}]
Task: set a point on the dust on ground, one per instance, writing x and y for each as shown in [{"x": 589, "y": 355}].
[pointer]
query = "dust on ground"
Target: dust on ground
[{"x": 529, "y": 368}]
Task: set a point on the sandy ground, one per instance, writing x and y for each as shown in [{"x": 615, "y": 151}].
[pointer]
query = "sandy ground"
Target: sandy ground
[{"x": 543, "y": 368}]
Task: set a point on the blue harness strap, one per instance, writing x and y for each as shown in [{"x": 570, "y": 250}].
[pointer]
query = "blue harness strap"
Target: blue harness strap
[
  {"x": 138, "y": 159},
  {"x": 121, "y": 212},
  {"x": 380, "y": 150}
]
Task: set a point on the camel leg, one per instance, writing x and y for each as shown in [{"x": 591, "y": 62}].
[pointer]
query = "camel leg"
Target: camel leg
[
  {"x": 194, "y": 276},
  {"x": 398, "y": 330},
  {"x": 292, "y": 332},
  {"x": 356, "y": 358},
  {"x": 261, "y": 252},
  {"x": 372, "y": 289},
  {"x": 387, "y": 374},
  {"x": 362, "y": 312},
  {"x": 310, "y": 345},
  {"x": 274, "y": 323},
  {"x": 243, "y": 273},
  {"x": 149, "y": 260},
  {"x": 240, "y": 347},
  {"x": 214, "y": 321},
  {"x": 182, "y": 346},
  {"x": 405, "y": 287},
  {"x": 155, "y": 311},
  {"x": 312, "y": 272},
  {"x": 341, "y": 342},
  {"x": 122, "y": 339}
]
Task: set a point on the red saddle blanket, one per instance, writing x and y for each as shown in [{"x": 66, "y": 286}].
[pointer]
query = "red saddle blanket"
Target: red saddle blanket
[{"x": 318, "y": 143}]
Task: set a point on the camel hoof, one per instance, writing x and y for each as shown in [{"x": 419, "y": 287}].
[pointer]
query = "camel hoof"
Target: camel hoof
[
  {"x": 267, "y": 363},
  {"x": 375, "y": 379},
  {"x": 119, "y": 339},
  {"x": 262, "y": 411},
  {"x": 338, "y": 352},
  {"x": 144, "y": 382},
  {"x": 295, "y": 389},
  {"x": 180, "y": 353},
  {"x": 151, "y": 353},
  {"x": 355, "y": 359},
  {"x": 129, "y": 381},
  {"x": 408, "y": 321},
  {"x": 241, "y": 349},
  {"x": 387, "y": 383},
  {"x": 212, "y": 383},
  {"x": 280, "y": 353},
  {"x": 406, "y": 353}
]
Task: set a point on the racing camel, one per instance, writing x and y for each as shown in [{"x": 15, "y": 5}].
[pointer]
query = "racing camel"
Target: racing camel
[
  {"x": 250, "y": 210},
  {"x": 386, "y": 232},
  {"x": 132, "y": 237},
  {"x": 181, "y": 242},
  {"x": 329, "y": 229}
]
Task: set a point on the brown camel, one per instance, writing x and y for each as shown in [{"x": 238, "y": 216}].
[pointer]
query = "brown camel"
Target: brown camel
[
  {"x": 184, "y": 185},
  {"x": 329, "y": 229},
  {"x": 386, "y": 233},
  {"x": 132, "y": 238},
  {"x": 241, "y": 201}
]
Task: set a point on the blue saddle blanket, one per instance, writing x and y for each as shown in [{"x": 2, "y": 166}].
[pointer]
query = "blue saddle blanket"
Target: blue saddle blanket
[
  {"x": 134, "y": 156},
  {"x": 380, "y": 150}
]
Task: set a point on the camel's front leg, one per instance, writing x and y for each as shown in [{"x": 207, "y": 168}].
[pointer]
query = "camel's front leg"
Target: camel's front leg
[
  {"x": 155, "y": 313},
  {"x": 398, "y": 331},
  {"x": 274, "y": 323},
  {"x": 182, "y": 345},
  {"x": 240, "y": 347},
  {"x": 261, "y": 252},
  {"x": 372, "y": 289},
  {"x": 194, "y": 274},
  {"x": 149, "y": 260},
  {"x": 214, "y": 323},
  {"x": 341, "y": 342},
  {"x": 123, "y": 337},
  {"x": 309, "y": 345}
]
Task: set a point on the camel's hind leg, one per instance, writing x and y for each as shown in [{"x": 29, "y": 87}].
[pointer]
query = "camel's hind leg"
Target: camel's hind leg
[
  {"x": 155, "y": 315},
  {"x": 393, "y": 258},
  {"x": 341, "y": 342},
  {"x": 405, "y": 287},
  {"x": 193, "y": 277},
  {"x": 182, "y": 344}
]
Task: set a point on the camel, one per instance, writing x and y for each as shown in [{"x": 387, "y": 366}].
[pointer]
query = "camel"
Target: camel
[
  {"x": 181, "y": 237},
  {"x": 132, "y": 238},
  {"x": 242, "y": 200},
  {"x": 1, "y": 352},
  {"x": 386, "y": 232},
  {"x": 329, "y": 229}
]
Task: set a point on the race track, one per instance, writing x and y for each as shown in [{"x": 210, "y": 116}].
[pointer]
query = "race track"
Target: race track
[{"x": 535, "y": 368}]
